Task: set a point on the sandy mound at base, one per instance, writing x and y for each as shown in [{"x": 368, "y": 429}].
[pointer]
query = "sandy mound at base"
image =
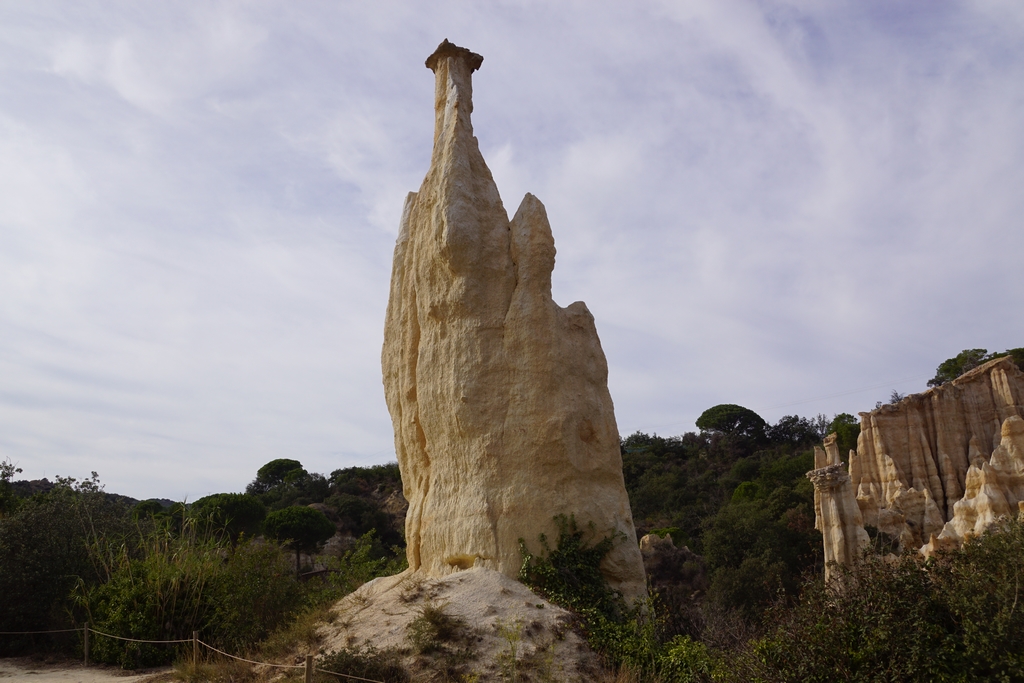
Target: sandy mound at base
[{"x": 500, "y": 616}]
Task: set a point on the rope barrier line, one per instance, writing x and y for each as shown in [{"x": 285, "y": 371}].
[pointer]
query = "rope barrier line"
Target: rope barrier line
[
  {"x": 87, "y": 629},
  {"x": 249, "y": 661},
  {"x": 354, "y": 678},
  {"x": 136, "y": 640}
]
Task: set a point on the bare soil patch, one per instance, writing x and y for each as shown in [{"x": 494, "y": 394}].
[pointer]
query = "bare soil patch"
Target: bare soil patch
[{"x": 25, "y": 670}]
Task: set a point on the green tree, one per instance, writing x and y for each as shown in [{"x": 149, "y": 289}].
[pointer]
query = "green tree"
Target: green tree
[
  {"x": 275, "y": 473},
  {"x": 967, "y": 360},
  {"x": 147, "y": 508},
  {"x": 236, "y": 513},
  {"x": 847, "y": 428},
  {"x": 793, "y": 429},
  {"x": 303, "y": 529},
  {"x": 49, "y": 544},
  {"x": 732, "y": 419},
  {"x": 8, "y": 501},
  {"x": 951, "y": 368}
]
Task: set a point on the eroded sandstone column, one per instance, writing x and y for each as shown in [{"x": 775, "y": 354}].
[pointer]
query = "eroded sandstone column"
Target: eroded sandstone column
[
  {"x": 498, "y": 396},
  {"x": 934, "y": 469},
  {"x": 836, "y": 514}
]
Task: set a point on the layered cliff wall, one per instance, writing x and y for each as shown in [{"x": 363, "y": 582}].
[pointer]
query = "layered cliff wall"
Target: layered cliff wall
[
  {"x": 498, "y": 396},
  {"x": 937, "y": 465}
]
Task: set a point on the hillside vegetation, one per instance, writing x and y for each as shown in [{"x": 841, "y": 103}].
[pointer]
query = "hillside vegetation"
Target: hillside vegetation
[{"x": 253, "y": 571}]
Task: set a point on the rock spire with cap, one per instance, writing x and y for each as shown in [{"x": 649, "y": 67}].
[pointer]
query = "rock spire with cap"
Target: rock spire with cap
[{"x": 499, "y": 396}]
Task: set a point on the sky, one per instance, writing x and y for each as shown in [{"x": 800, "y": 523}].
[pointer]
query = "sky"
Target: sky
[{"x": 798, "y": 207}]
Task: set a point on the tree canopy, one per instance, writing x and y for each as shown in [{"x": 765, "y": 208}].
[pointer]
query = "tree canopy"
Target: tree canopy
[
  {"x": 303, "y": 528},
  {"x": 275, "y": 473},
  {"x": 967, "y": 360},
  {"x": 847, "y": 428},
  {"x": 237, "y": 513},
  {"x": 732, "y": 419}
]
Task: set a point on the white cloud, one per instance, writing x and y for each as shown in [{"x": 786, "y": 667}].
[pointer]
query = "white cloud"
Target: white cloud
[{"x": 762, "y": 204}]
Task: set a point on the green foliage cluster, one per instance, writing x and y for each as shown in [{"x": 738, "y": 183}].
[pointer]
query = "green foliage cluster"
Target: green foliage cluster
[
  {"x": 74, "y": 554},
  {"x": 570, "y": 574},
  {"x": 733, "y": 420},
  {"x": 8, "y": 500},
  {"x": 847, "y": 428},
  {"x": 171, "y": 584},
  {"x": 632, "y": 638},
  {"x": 354, "y": 494},
  {"x": 235, "y": 596},
  {"x": 433, "y": 629},
  {"x": 738, "y": 498},
  {"x": 955, "y": 617},
  {"x": 284, "y": 483},
  {"x": 968, "y": 359},
  {"x": 237, "y": 514},
  {"x": 48, "y": 545},
  {"x": 303, "y": 529}
]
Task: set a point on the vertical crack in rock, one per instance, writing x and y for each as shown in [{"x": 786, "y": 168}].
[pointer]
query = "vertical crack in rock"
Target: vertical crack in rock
[{"x": 499, "y": 397}]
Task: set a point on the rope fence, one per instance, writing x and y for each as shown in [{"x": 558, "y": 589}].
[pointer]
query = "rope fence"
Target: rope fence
[
  {"x": 309, "y": 666},
  {"x": 250, "y": 661}
]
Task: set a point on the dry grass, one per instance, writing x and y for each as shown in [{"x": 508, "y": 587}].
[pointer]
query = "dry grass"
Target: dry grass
[
  {"x": 219, "y": 670},
  {"x": 301, "y": 635}
]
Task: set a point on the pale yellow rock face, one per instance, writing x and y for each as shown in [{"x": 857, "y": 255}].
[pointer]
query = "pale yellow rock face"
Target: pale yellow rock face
[
  {"x": 498, "y": 396},
  {"x": 994, "y": 489},
  {"x": 941, "y": 465},
  {"x": 836, "y": 514}
]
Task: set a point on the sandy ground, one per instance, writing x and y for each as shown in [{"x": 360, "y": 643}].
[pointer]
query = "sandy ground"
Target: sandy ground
[
  {"x": 27, "y": 671},
  {"x": 502, "y": 622}
]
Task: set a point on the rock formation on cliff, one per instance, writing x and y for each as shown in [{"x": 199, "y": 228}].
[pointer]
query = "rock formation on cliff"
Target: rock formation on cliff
[
  {"x": 498, "y": 396},
  {"x": 932, "y": 469},
  {"x": 836, "y": 513}
]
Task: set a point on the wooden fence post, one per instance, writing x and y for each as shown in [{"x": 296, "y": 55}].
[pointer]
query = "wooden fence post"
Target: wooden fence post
[
  {"x": 195, "y": 650},
  {"x": 85, "y": 645},
  {"x": 309, "y": 668}
]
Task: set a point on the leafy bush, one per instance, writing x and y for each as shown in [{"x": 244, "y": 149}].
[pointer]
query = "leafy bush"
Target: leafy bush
[
  {"x": 434, "y": 628},
  {"x": 629, "y": 637},
  {"x": 50, "y": 543},
  {"x": 951, "y": 618},
  {"x": 179, "y": 583},
  {"x": 569, "y": 575},
  {"x": 847, "y": 428}
]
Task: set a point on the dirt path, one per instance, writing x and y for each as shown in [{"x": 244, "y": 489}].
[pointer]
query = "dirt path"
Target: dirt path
[{"x": 27, "y": 671}]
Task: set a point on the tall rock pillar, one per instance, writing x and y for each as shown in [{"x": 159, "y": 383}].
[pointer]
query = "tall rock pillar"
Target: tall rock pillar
[
  {"x": 499, "y": 397},
  {"x": 836, "y": 514}
]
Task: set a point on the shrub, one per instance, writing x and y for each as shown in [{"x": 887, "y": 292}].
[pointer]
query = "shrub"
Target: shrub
[
  {"x": 180, "y": 583},
  {"x": 52, "y": 542},
  {"x": 569, "y": 575},
  {"x": 433, "y": 629},
  {"x": 954, "y": 617},
  {"x": 627, "y": 637}
]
